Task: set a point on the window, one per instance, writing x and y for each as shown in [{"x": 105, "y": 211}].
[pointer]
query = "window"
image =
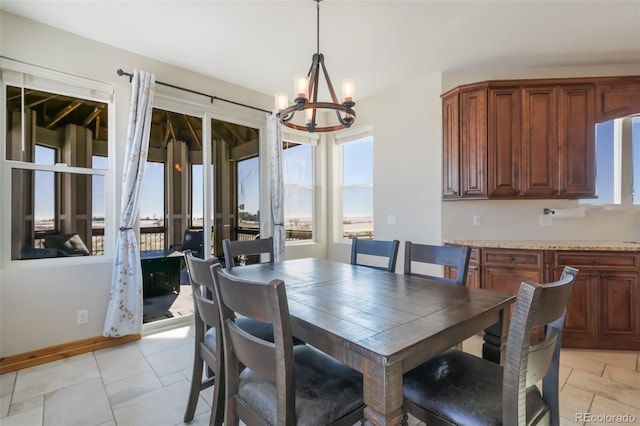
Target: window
[
  {"x": 55, "y": 144},
  {"x": 357, "y": 187},
  {"x": 197, "y": 193},
  {"x": 298, "y": 179},
  {"x": 248, "y": 197},
  {"x": 617, "y": 162},
  {"x": 44, "y": 206}
]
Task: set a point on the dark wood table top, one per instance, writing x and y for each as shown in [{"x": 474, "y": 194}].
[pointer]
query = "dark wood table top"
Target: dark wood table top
[{"x": 381, "y": 316}]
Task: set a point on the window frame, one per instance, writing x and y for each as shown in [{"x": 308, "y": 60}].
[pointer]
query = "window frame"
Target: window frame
[
  {"x": 294, "y": 138},
  {"x": 622, "y": 169},
  {"x": 340, "y": 139},
  {"x": 31, "y": 77}
]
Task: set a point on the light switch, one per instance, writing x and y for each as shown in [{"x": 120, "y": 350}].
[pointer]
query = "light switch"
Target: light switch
[
  {"x": 391, "y": 219},
  {"x": 477, "y": 220}
]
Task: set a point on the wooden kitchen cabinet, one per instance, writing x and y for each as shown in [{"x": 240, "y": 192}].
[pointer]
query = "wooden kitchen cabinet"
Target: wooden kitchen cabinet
[
  {"x": 576, "y": 140},
  {"x": 473, "y": 270},
  {"x": 604, "y": 310},
  {"x": 473, "y": 143},
  {"x": 504, "y": 270},
  {"x": 528, "y": 139},
  {"x": 539, "y": 142},
  {"x": 451, "y": 146},
  {"x": 503, "y": 145},
  {"x": 617, "y": 97}
]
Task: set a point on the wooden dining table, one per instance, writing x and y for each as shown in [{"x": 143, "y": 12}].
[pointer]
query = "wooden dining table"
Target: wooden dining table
[{"x": 381, "y": 323}]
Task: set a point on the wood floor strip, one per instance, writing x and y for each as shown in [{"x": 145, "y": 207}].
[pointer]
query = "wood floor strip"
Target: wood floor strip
[{"x": 66, "y": 350}]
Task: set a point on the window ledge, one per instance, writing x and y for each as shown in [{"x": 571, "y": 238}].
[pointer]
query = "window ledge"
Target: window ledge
[{"x": 610, "y": 207}]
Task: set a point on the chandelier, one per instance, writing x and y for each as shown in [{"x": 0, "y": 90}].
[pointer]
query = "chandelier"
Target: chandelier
[{"x": 306, "y": 90}]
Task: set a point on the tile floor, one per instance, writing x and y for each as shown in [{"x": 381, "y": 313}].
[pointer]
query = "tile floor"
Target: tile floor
[{"x": 146, "y": 383}]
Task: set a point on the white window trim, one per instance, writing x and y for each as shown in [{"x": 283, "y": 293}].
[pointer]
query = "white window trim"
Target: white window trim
[
  {"x": 27, "y": 76},
  {"x": 622, "y": 170},
  {"x": 312, "y": 140},
  {"x": 340, "y": 138}
]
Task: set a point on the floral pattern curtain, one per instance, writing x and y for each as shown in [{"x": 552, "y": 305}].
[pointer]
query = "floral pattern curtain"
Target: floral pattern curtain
[
  {"x": 124, "y": 314},
  {"x": 277, "y": 187}
]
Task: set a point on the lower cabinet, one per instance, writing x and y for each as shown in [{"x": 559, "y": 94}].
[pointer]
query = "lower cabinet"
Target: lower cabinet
[
  {"x": 504, "y": 271},
  {"x": 604, "y": 310}
]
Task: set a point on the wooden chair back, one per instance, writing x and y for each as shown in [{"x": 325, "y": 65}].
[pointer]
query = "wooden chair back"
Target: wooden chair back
[
  {"x": 207, "y": 317},
  {"x": 536, "y": 305},
  {"x": 234, "y": 249},
  {"x": 202, "y": 287},
  {"x": 452, "y": 256},
  {"x": 273, "y": 361},
  {"x": 380, "y": 248}
]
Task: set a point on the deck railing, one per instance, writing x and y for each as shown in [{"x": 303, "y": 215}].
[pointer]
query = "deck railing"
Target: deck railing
[{"x": 153, "y": 238}]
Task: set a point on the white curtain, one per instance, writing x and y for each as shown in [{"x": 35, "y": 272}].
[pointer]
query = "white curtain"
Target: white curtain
[
  {"x": 277, "y": 187},
  {"x": 124, "y": 314}
]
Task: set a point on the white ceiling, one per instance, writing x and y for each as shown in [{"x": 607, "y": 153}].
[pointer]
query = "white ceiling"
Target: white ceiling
[{"x": 262, "y": 44}]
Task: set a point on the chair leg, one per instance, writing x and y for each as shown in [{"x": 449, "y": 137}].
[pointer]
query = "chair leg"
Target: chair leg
[
  {"x": 218, "y": 403},
  {"x": 194, "y": 390}
]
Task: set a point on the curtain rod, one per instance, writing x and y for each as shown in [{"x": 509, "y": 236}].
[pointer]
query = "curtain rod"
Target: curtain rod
[{"x": 212, "y": 97}]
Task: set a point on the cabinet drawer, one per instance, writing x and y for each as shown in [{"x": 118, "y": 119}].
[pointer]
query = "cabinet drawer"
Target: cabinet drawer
[
  {"x": 474, "y": 257},
  {"x": 591, "y": 260},
  {"x": 515, "y": 258}
]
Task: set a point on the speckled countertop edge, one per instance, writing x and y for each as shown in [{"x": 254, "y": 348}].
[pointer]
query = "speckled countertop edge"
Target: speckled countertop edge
[{"x": 587, "y": 245}]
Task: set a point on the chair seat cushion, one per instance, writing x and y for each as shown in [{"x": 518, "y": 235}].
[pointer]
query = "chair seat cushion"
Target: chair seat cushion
[
  {"x": 326, "y": 390},
  {"x": 464, "y": 389}
]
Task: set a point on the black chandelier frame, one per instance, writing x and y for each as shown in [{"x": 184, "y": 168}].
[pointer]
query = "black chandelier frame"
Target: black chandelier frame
[{"x": 344, "y": 111}]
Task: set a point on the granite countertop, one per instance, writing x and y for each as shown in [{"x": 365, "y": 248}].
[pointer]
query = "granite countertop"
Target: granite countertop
[{"x": 592, "y": 245}]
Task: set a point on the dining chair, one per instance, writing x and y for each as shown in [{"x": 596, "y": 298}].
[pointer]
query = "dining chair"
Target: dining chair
[
  {"x": 377, "y": 248},
  {"x": 457, "y": 388},
  {"x": 453, "y": 256},
  {"x": 208, "y": 338},
  {"x": 279, "y": 383},
  {"x": 236, "y": 252}
]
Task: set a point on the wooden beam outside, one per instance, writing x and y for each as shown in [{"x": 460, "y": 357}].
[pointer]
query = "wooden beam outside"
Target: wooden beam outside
[
  {"x": 94, "y": 114},
  {"x": 63, "y": 113},
  {"x": 193, "y": 132}
]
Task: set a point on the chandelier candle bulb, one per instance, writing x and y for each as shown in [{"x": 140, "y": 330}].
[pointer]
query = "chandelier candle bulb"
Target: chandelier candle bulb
[
  {"x": 282, "y": 100},
  {"x": 348, "y": 90},
  {"x": 301, "y": 85}
]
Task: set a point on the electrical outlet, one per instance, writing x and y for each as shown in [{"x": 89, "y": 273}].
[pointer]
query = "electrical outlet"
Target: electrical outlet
[
  {"x": 82, "y": 316},
  {"x": 546, "y": 220}
]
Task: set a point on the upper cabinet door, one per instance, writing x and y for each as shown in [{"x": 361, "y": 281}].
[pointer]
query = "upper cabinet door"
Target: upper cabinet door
[
  {"x": 450, "y": 146},
  {"x": 503, "y": 144},
  {"x": 473, "y": 143},
  {"x": 539, "y": 141},
  {"x": 576, "y": 138},
  {"x": 617, "y": 97}
]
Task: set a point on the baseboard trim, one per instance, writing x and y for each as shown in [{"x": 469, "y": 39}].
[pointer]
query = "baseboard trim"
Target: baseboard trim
[{"x": 66, "y": 350}]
